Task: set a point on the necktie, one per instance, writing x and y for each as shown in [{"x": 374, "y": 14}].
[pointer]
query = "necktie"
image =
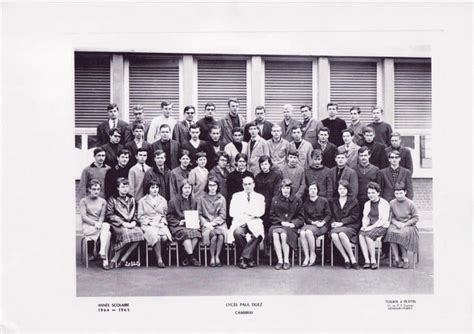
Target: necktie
[
  {"x": 248, "y": 198},
  {"x": 115, "y": 123},
  {"x": 143, "y": 168}
]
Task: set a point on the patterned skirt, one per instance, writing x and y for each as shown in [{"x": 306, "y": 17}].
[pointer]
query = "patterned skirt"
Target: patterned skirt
[
  {"x": 182, "y": 233},
  {"x": 407, "y": 237},
  {"x": 317, "y": 231},
  {"x": 209, "y": 233},
  {"x": 375, "y": 233},
  {"x": 124, "y": 236}
]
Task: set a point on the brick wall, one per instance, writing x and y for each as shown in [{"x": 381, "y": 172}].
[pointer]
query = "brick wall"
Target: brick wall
[{"x": 423, "y": 192}]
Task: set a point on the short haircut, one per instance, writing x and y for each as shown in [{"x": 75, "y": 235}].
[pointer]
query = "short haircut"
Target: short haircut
[
  {"x": 396, "y": 134},
  {"x": 317, "y": 153},
  {"x": 394, "y": 152},
  {"x": 164, "y": 125},
  {"x": 368, "y": 129},
  {"x": 338, "y": 153},
  {"x": 249, "y": 177},
  {"x": 296, "y": 126},
  {"x": 377, "y": 107},
  {"x": 93, "y": 182},
  {"x": 264, "y": 158},
  {"x": 141, "y": 149},
  {"x": 288, "y": 106},
  {"x": 138, "y": 126},
  {"x": 351, "y": 132},
  {"x": 138, "y": 107},
  {"x": 200, "y": 154},
  {"x": 277, "y": 126},
  {"x": 123, "y": 151},
  {"x": 313, "y": 183},
  {"x": 375, "y": 186},
  {"x": 400, "y": 186},
  {"x": 232, "y": 99},
  {"x": 209, "y": 105},
  {"x": 241, "y": 156},
  {"x": 151, "y": 183},
  {"x": 214, "y": 127},
  {"x": 194, "y": 126},
  {"x": 259, "y": 108},
  {"x": 189, "y": 107},
  {"x": 324, "y": 128},
  {"x": 183, "y": 183},
  {"x": 306, "y": 106},
  {"x": 362, "y": 149},
  {"x": 331, "y": 104},
  {"x": 293, "y": 153},
  {"x": 159, "y": 152},
  {"x": 112, "y": 106},
  {"x": 165, "y": 104},
  {"x": 222, "y": 154},
  {"x": 183, "y": 153},
  {"x": 122, "y": 180},
  {"x": 98, "y": 150},
  {"x": 344, "y": 183},
  {"x": 237, "y": 129},
  {"x": 112, "y": 132},
  {"x": 212, "y": 179},
  {"x": 355, "y": 108},
  {"x": 252, "y": 125}
]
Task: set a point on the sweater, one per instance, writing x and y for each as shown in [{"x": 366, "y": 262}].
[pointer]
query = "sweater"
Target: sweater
[
  {"x": 404, "y": 211},
  {"x": 296, "y": 175},
  {"x": 382, "y": 132},
  {"x": 335, "y": 127},
  {"x": 317, "y": 210}
]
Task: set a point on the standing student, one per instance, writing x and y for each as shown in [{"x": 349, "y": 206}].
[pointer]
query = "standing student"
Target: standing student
[
  {"x": 303, "y": 147},
  {"x": 246, "y": 208},
  {"x": 138, "y": 112},
  {"x": 214, "y": 146},
  {"x": 335, "y": 124},
  {"x": 366, "y": 173},
  {"x": 198, "y": 175},
  {"x": 317, "y": 216},
  {"x": 92, "y": 209},
  {"x": 310, "y": 126},
  {"x": 375, "y": 221},
  {"x": 286, "y": 217},
  {"x": 121, "y": 169},
  {"x": 349, "y": 147},
  {"x": 221, "y": 172},
  {"x": 96, "y": 170},
  {"x": 382, "y": 129},
  {"x": 181, "y": 129},
  {"x": 264, "y": 127},
  {"x": 136, "y": 174},
  {"x": 212, "y": 217},
  {"x": 104, "y": 128},
  {"x": 207, "y": 122},
  {"x": 278, "y": 147},
  {"x": 231, "y": 120},
  {"x": 160, "y": 173},
  {"x": 189, "y": 237},
  {"x": 112, "y": 148},
  {"x": 235, "y": 178},
  {"x": 137, "y": 142},
  {"x": 319, "y": 174},
  {"x": 395, "y": 174},
  {"x": 164, "y": 118},
  {"x": 356, "y": 125},
  {"x": 180, "y": 173},
  {"x": 169, "y": 146},
  {"x": 152, "y": 217},
  {"x": 292, "y": 170},
  {"x": 328, "y": 149},
  {"x": 406, "y": 160},
  {"x": 236, "y": 146},
  {"x": 122, "y": 216},
  {"x": 194, "y": 145},
  {"x": 257, "y": 147},
  {"x": 288, "y": 122},
  {"x": 377, "y": 150},
  {"x": 343, "y": 172}
]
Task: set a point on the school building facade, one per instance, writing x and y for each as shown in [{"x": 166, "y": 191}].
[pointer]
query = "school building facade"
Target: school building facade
[{"x": 400, "y": 85}]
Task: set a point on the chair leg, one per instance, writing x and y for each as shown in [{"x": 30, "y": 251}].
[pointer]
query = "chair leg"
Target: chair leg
[
  {"x": 199, "y": 252},
  {"x": 270, "y": 255},
  {"x": 169, "y": 254},
  {"x": 205, "y": 255},
  {"x": 82, "y": 249},
  {"x": 322, "y": 252},
  {"x": 378, "y": 255},
  {"x": 299, "y": 253},
  {"x": 292, "y": 257},
  {"x": 390, "y": 257},
  {"x": 414, "y": 264},
  {"x": 258, "y": 255},
  {"x": 235, "y": 254},
  {"x": 177, "y": 255},
  {"x": 227, "y": 252},
  {"x": 332, "y": 253},
  {"x": 146, "y": 254},
  {"x": 138, "y": 254}
]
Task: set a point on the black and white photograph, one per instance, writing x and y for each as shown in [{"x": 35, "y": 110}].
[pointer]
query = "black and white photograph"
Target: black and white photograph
[{"x": 240, "y": 162}]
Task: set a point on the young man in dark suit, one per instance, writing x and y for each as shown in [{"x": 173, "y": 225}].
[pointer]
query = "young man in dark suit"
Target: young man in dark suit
[
  {"x": 231, "y": 120},
  {"x": 329, "y": 149},
  {"x": 335, "y": 124},
  {"x": 113, "y": 147},
  {"x": 264, "y": 127},
  {"x": 103, "y": 129},
  {"x": 406, "y": 160},
  {"x": 377, "y": 150},
  {"x": 169, "y": 146}
]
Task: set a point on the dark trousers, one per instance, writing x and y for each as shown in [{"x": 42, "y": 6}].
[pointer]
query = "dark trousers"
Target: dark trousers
[{"x": 246, "y": 250}]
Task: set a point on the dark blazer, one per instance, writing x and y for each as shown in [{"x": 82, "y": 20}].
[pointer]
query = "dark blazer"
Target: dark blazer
[
  {"x": 132, "y": 147},
  {"x": 163, "y": 180},
  {"x": 378, "y": 157},
  {"x": 310, "y": 131},
  {"x": 335, "y": 127},
  {"x": 174, "y": 151},
  {"x": 129, "y": 136},
  {"x": 226, "y": 127},
  {"x": 387, "y": 185},
  {"x": 329, "y": 154},
  {"x": 211, "y": 153},
  {"x": 110, "y": 182},
  {"x": 347, "y": 215},
  {"x": 349, "y": 175},
  {"x": 103, "y": 130},
  {"x": 266, "y": 132},
  {"x": 286, "y": 129},
  {"x": 181, "y": 132},
  {"x": 406, "y": 160},
  {"x": 203, "y": 146},
  {"x": 111, "y": 153}
]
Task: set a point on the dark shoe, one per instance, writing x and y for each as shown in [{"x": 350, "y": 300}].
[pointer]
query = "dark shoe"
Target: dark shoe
[
  {"x": 347, "y": 265},
  {"x": 405, "y": 265},
  {"x": 355, "y": 265},
  {"x": 185, "y": 262},
  {"x": 286, "y": 266},
  {"x": 374, "y": 266},
  {"x": 366, "y": 265},
  {"x": 218, "y": 263},
  {"x": 120, "y": 264},
  {"x": 242, "y": 264},
  {"x": 212, "y": 264},
  {"x": 251, "y": 263},
  {"x": 278, "y": 266},
  {"x": 160, "y": 264},
  {"x": 195, "y": 263}
]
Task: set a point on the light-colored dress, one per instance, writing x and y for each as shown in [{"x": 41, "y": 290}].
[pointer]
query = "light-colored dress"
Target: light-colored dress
[
  {"x": 152, "y": 218},
  {"x": 93, "y": 209},
  {"x": 212, "y": 209},
  {"x": 198, "y": 179}
]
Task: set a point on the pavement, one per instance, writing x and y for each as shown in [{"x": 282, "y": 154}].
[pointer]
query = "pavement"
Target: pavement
[{"x": 261, "y": 280}]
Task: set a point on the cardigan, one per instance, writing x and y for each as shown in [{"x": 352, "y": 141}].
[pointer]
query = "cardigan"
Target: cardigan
[
  {"x": 278, "y": 151},
  {"x": 260, "y": 148},
  {"x": 226, "y": 127},
  {"x": 384, "y": 214},
  {"x": 296, "y": 175},
  {"x": 304, "y": 152}
]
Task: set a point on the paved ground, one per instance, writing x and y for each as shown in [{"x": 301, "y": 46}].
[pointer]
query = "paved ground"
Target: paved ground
[{"x": 262, "y": 280}]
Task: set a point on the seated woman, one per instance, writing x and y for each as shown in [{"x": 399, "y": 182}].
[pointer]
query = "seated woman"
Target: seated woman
[
  {"x": 92, "y": 209},
  {"x": 345, "y": 224},
  {"x": 152, "y": 218},
  {"x": 198, "y": 175},
  {"x": 402, "y": 231},
  {"x": 212, "y": 217},
  {"x": 122, "y": 215},
  {"x": 317, "y": 215},
  {"x": 177, "y": 224},
  {"x": 375, "y": 221},
  {"x": 286, "y": 216}
]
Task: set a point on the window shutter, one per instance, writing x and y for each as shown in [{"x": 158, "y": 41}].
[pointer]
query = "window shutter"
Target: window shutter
[
  {"x": 152, "y": 81},
  {"x": 219, "y": 80},
  {"x": 354, "y": 84},
  {"x": 92, "y": 90},
  {"x": 412, "y": 96},
  {"x": 287, "y": 82}
]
